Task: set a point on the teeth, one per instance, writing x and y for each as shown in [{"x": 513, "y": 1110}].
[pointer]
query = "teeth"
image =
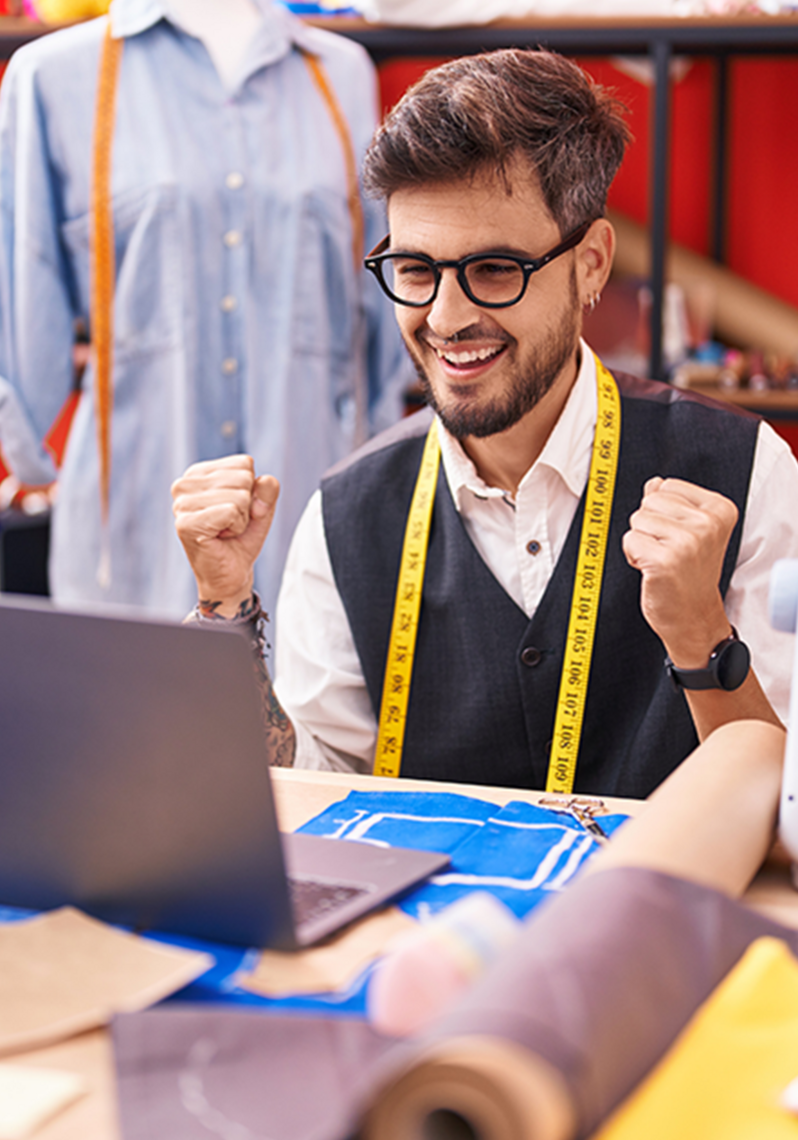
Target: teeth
[{"x": 469, "y": 357}]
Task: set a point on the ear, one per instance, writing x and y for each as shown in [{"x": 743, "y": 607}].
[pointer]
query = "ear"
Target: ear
[{"x": 594, "y": 256}]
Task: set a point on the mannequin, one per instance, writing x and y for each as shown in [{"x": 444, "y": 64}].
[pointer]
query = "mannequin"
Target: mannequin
[
  {"x": 224, "y": 26},
  {"x": 240, "y": 322}
]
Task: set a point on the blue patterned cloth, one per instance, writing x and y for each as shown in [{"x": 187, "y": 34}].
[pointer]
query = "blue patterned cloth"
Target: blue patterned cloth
[{"x": 520, "y": 852}]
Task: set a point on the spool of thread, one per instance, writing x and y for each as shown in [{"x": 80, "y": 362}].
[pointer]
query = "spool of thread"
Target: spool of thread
[{"x": 424, "y": 971}]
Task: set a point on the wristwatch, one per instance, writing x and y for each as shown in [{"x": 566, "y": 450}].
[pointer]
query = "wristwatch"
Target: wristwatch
[{"x": 727, "y": 668}]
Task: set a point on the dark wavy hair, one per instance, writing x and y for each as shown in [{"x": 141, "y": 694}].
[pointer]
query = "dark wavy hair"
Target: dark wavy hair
[{"x": 481, "y": 113}]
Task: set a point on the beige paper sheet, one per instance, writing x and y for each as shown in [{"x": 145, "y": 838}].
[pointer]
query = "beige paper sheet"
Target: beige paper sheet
[
  {"x": 62, "y": 973},
  {"x": 331, "y": 966},
  {"x": 30, "y": 1095},
  {"x": 93, "y": 1116}
]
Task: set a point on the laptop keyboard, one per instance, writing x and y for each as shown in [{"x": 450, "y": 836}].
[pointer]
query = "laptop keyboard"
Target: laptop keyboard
[{"x": 312, "y": 899}]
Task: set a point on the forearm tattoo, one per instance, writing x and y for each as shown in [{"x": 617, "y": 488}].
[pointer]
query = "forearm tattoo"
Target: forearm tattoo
[{"x": 277, "y": 726}]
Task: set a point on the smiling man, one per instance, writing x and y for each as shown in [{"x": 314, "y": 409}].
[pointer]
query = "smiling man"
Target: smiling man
[{"x": 573, "y": 609}]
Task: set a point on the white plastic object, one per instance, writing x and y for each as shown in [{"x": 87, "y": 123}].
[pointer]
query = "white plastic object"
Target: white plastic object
[
  {"x": 789, "y": 1098},
  {"x": 425, "y": 971},
  {"x": 784, "y": 616}
]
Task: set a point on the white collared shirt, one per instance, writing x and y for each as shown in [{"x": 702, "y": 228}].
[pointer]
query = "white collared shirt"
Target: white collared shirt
[{"x": 319, "y": 680}]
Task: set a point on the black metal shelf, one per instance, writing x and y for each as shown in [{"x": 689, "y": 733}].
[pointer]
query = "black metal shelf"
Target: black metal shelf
[{"x": 692, "y": 36}]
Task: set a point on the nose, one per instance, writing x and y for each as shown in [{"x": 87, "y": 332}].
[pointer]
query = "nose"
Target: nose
[{"x": 451, "y": 311}]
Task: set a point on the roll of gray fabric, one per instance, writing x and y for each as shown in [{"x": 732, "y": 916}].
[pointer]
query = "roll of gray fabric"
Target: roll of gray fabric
[{"x": 604, "y": 977}]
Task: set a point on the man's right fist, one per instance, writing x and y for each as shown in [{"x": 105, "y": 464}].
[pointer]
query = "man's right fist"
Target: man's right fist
[{"x": 223, "y": 513}]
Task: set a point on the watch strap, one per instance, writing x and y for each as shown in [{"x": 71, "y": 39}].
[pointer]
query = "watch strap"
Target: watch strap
[{"x": 727, "y": 668}]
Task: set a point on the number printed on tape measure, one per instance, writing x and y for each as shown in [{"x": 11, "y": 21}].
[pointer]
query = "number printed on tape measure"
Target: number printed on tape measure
[
  {"x": 404, "y": 625},
  {"x": 587, "y": 587}
]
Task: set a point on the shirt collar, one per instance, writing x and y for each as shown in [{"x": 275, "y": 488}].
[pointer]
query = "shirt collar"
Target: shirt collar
[
  {"x": 567, "y": 450},
  {"x": 278, "y": 33}
]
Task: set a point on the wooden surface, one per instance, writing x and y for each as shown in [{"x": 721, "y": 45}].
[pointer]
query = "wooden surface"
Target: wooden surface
[
  {"x": 770, "y": 400},
  {"x": 301, "y": 795}
]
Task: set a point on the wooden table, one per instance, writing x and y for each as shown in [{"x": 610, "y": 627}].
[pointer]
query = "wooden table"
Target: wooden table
[{"x": 300, "y": 796}]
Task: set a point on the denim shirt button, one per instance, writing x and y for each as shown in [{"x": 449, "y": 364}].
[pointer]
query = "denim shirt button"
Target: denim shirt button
[
  {"x": 234, "y": 180},
  {"x": 228, "y": 429},
  {"x": 232, "y": 238},
  {"x": 229, "y": 366}
]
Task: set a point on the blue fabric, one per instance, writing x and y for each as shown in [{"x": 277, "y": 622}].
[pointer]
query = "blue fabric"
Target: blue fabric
[
  {"x": 219, "y": 985},
  {"x": 520, "y": 852},
  {"x": 274, "y": 373},
  {"x": 320, "y": 10}
]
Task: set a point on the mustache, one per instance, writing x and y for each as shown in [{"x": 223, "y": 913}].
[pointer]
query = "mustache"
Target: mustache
[{"x": 463, "y": 336}]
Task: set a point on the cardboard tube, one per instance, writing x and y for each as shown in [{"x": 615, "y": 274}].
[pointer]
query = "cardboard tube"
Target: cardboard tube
[
  {"x": 494, "y": 1089},
  {"x": 745, "y": 315},
  {"x": 713, "y": 820}
]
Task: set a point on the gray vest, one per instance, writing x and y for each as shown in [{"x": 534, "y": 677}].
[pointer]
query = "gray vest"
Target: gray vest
[{"x": 486, "y": 678}]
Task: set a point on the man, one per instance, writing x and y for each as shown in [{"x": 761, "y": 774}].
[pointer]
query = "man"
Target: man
[{"x": 495, "y": 170}]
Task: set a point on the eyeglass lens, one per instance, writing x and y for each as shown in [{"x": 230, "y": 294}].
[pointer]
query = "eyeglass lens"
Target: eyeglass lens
[{"x": 492, "y": 280}]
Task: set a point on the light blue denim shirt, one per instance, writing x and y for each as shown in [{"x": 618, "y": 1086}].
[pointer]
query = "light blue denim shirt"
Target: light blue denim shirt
[{"x": 240, "y": 322}]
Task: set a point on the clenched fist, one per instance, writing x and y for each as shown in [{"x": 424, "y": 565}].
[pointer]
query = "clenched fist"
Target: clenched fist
[
  {"x": 677, "y": 539},
  {"x": 223, "y": 512}
]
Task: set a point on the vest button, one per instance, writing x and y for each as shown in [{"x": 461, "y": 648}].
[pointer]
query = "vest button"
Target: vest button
[{"x": 531, "y": 656}]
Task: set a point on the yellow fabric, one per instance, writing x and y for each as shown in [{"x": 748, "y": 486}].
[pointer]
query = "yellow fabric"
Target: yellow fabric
[
  {"x": 57, "y": 11},
  {"x": 724, "y": 1076}
]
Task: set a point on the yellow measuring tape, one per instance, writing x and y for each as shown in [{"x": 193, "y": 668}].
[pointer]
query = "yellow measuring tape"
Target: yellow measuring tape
[
  {"x": 584, "y": 601},
  {"x": 587, "y": 587},
  {"x": 402, "y": 645}
]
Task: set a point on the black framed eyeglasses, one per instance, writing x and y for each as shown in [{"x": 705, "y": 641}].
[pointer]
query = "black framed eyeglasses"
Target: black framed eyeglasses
[{"x": 491, "y": 280}]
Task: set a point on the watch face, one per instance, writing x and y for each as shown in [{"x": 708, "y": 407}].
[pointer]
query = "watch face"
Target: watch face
[{"x": 732, "y": 665}]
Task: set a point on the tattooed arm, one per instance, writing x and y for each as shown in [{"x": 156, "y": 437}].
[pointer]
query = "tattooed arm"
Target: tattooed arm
[
  {"x": 222, "y": 515},
  {"x": 277, "y": 727}
]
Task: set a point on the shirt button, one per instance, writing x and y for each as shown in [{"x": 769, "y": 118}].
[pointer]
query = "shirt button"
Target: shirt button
[
  {"x": 531, "y": 656},
  {"x": 533, "y": 547},
  {"x": 232, "y": 238},
  {"x": 229, "y": 365},
  {"x": 228, "y": 429},
  {"x": 234, "y": 180},
  {"x": 228, "y": 303}
]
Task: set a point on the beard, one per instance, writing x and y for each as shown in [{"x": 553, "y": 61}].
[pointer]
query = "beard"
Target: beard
[{"x": 530, "y": 379}]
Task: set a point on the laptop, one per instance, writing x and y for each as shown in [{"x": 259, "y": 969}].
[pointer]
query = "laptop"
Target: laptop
[{"x": 134, "y": 784}]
